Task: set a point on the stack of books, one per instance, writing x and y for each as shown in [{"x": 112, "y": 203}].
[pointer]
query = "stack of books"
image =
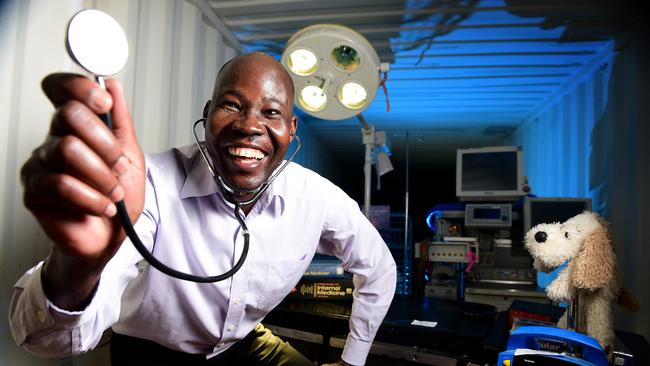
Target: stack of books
[
  {"x": 324, "y": 279},
  {"x": 525, "y": 313}
]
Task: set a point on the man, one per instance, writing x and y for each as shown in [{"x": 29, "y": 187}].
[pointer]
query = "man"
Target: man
[{"x": 91, "y": 281}]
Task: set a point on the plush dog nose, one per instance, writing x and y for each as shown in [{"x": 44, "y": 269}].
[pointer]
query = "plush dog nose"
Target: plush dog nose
[{"x": 540, "y": 236}]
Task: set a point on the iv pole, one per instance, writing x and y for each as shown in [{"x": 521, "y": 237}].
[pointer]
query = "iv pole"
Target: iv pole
[{"x": 368, "y": 133}]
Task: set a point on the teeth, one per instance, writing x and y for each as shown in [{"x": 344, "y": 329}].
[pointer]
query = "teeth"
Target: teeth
[{"x": 244, "y": 152}]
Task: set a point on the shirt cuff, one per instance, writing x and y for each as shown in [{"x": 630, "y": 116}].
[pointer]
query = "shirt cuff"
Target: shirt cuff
[
  {"x": 355, "y": 352},
  {"x": 36, "y": 312}
]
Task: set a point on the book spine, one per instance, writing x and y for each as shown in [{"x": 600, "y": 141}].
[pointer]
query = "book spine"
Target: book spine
[
  {"x": 330, "y": 289},
  {"x": 324, "y": 270}
]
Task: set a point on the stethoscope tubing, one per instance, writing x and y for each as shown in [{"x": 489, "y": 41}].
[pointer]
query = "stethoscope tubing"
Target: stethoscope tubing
[
  {"x": 154, "y": 262},
  {"x": 125, "y": 220}
]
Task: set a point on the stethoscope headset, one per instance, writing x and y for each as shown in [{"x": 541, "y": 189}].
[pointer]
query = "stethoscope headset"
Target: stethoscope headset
[
  {"x": 228, "y": 193},
  {"x": 86, "y": 30}
]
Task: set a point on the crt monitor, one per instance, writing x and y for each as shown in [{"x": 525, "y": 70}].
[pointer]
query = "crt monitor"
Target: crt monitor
[
  {"x": 547, "y": 210},
  {"x": 490, "y": 173}
]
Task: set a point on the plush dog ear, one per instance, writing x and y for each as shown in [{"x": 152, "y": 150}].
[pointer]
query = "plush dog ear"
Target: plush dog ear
[{"x": 594, "y": 265}]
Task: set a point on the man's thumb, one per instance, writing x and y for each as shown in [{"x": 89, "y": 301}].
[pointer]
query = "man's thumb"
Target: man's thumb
[{"x": 122, "y": 124}]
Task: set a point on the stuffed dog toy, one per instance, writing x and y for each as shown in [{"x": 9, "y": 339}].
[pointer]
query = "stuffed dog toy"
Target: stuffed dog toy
[{"x": 590, "y": 277}]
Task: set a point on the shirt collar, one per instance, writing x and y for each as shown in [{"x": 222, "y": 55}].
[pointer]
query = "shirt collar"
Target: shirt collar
[{"x": 199, "y": 181}]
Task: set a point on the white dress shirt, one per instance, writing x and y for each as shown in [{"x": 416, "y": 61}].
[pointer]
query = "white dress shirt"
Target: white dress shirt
[{"x": 188, "y": 225}]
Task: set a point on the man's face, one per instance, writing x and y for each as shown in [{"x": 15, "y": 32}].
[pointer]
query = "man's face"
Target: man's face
[{"x": 250, "y": 121}]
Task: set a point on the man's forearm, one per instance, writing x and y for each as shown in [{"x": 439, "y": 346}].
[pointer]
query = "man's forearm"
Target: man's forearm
[{"x": 69, "y": 282}]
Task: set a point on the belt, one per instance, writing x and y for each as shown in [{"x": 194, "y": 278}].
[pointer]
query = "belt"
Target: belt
[{"x": 133, "y": 351}]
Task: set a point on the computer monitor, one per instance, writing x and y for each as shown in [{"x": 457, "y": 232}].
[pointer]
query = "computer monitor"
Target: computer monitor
[
  {"x": 547, "y": 210},
  {"x": 490, "y": 173}
]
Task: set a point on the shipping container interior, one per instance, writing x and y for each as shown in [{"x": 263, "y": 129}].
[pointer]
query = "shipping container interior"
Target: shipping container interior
[{"x": 565, "y": 82}]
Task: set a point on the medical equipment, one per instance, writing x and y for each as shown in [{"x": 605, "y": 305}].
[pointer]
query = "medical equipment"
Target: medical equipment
[
  {"x": 490, "y": 174},
  {"x": 97, "y": 43},
  {"x": 534, "y": 345}
]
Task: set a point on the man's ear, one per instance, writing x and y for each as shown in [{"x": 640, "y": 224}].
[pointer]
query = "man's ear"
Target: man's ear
[
  {"x": 206, "y": 109},
  {"x": 293, "y": 128}
]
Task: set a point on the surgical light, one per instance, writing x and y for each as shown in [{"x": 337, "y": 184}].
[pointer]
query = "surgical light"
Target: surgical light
[{"x": 335, "y": 71}]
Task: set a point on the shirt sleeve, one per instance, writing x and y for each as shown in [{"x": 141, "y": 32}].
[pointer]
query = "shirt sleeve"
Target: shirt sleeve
[
  {"x": 350, "y": 236},
  {"x": 43, "y": 329}
]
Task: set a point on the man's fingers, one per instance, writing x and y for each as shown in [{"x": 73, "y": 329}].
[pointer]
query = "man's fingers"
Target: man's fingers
[
  {"x": 70, "y": 155},
  {"x": 63, "y": 87},
  {"x": 76, "y": 119},
  {"x": 79, "y": 100},
  {"x": 65, "y": 191}
]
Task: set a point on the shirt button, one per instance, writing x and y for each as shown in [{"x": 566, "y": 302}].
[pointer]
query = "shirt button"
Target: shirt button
[
  {"x": 41, "y": 316},
  {"x": 231, "y": 327},
  {"x": 237, "y": 301}
]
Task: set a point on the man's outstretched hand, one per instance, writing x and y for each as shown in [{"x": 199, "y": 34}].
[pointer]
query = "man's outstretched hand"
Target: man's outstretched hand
[{"x": 74, "y": 178}]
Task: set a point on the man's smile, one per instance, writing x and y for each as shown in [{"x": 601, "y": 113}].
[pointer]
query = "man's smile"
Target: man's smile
[
  {"x": 245, "y": 159},
  {"x": 245, "y": 152}
]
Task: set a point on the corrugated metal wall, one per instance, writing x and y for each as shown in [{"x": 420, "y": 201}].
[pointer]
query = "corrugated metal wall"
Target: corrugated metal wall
[
  {"x": 556, "y": 139},
  {"x": 621, "y": 169}
]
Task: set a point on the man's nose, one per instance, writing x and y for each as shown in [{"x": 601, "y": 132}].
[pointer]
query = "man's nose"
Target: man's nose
[
  {"x": 249, "y": 123},
  {"x": 540, "y": 236}
]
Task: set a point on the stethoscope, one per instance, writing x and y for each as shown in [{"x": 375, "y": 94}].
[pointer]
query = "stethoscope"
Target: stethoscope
[
  {"x": 86, "y": 30},
  {"x": 227, "y": 192}
]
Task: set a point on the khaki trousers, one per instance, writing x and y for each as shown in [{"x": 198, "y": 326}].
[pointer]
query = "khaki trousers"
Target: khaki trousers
[{"x": 259, "y": 348}]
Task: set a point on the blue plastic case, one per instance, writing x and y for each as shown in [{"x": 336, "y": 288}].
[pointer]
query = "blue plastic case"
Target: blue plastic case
[{"x": 551, "y": 346}]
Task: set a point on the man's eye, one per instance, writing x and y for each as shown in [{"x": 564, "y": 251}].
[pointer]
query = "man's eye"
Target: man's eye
[
  {"x": 273, "y": 112},
  {"x": 230, "y": 106}
]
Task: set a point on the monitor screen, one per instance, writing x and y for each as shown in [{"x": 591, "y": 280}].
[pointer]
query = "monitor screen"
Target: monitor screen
[
  {"x": 489, "y": 173},
  {"x": 547, "y": 210}
]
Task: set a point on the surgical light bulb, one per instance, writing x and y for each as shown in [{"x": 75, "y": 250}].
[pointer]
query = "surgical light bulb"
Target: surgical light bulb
[
  {"x": 313, "y": 98},
  {"x": 302, "y": 62},
  {"x": 353, "y": 95}
]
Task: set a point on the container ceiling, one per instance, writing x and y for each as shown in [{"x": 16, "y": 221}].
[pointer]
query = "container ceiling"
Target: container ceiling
[{"x": 463, "y": 73}]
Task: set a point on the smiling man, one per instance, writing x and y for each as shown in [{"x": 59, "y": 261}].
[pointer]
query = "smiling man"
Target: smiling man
[
  {"x": 92, "y": 281},
  {"x": 250, "y": 121}
]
